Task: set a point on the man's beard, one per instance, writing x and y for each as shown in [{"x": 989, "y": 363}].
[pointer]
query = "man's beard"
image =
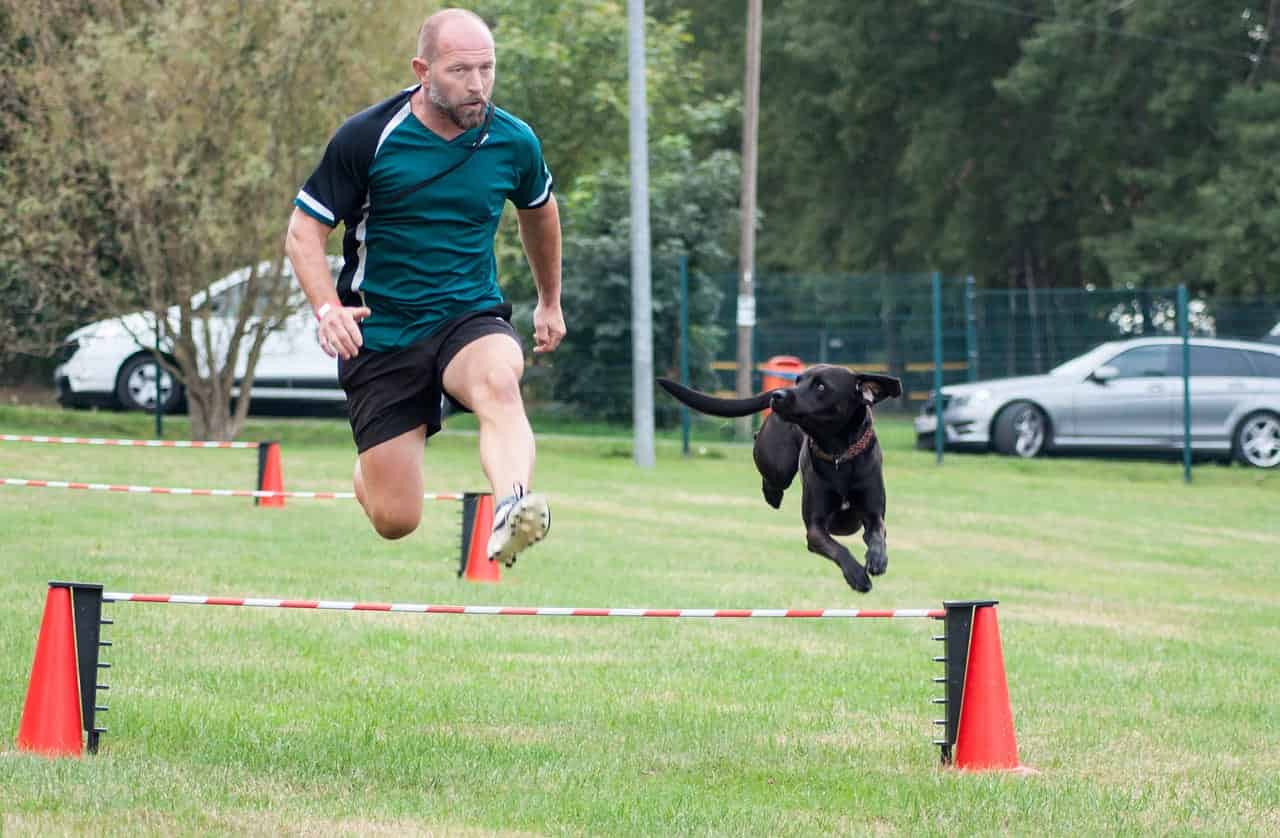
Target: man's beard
[{"x": 463, "y": 119}]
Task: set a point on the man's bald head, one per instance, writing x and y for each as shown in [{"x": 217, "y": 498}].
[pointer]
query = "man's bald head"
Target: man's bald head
[{"x": 466, "y": 27}]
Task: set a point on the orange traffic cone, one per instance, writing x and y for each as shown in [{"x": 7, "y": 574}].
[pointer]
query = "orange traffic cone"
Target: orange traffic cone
[
  {"x": 51, "y": 718},
  {"x": 269, "y": 476},
  {"x": 477, "y": 524},
  {"x": 985, "y": 739}
]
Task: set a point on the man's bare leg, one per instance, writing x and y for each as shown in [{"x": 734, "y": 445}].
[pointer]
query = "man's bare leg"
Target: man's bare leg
[
  {"x": 388, "y": 483},
  {"x": 485, "y": 376}
]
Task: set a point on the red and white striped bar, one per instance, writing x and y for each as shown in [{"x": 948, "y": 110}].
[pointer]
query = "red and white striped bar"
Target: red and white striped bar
[
  {"x": 217, "y": 493},
  {"x": 521, "y": 611},
  {"x": 132, "y": 443}
]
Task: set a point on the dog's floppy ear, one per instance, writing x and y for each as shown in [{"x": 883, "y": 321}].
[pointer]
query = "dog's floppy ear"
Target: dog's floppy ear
[{"x": 877, "y": 388}]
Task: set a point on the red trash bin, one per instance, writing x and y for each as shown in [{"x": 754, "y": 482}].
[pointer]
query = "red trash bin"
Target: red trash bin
[{"x": 781, "y": 371}]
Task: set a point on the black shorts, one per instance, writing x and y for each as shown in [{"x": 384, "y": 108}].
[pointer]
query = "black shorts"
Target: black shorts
[{"x": 392, "y": 392}]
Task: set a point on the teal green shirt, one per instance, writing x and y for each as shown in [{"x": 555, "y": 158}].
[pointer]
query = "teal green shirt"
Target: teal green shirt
[{"x": 418, "y": 257}]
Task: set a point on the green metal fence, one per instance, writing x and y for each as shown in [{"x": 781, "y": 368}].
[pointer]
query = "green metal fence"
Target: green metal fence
[
  {"x": 872, "y": 322},
  {"x": 876, "y": 323},
  {"x": 884, "y": 323}
]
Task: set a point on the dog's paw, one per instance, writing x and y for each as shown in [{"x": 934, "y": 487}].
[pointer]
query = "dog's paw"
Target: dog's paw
[
  {"x": 877, "y": 562},
  {"x": 858, "y": 579},
  {"x": 772, "y": 495}
]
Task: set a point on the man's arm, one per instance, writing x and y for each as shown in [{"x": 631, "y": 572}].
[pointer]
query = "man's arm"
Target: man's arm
[
  {"x": 304, "y": 244},
  {"x": 540, "y": 235}
]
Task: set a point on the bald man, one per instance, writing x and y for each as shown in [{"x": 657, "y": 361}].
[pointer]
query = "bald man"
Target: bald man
[{"x": 419, "y": 182}]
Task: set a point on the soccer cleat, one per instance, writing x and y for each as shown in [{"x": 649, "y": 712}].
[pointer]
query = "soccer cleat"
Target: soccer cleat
[{"x": 519, "y": 521}]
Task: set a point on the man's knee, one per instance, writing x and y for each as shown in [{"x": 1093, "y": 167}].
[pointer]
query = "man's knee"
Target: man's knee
[
  {"x": 499, "y": 387},
  {"x": 394, "y": 522}
]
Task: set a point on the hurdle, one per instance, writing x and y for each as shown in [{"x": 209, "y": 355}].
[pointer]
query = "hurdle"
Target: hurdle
[
  {"x": 270, "y": 491},
  {"x": 128, "y": 489},
  {"x": 477, "y": 512},
  {"x": 62, "y": 699},
  {"x": 128, "y": 443}
]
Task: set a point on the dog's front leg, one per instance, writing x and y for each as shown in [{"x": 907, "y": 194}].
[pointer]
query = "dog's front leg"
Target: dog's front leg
[
  {"x": 869, "y": 504},
  {"x": 821, "y": 542},
  {"x": 873, "y": 535}
]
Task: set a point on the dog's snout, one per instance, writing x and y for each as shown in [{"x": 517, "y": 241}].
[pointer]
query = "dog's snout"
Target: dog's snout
[{"x": 778, "y": 397}]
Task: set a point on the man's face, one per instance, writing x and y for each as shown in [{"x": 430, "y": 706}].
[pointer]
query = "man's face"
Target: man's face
[{"x": 461, "y": 82}]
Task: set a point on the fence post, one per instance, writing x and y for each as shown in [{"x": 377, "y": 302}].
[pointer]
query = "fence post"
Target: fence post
[
  {"x": 159, "y": 372},
  {"x": 1184, "y": 328},
  {"x": 1033, "y": 315},
  {"x": 684, "y": 348},
  {"x": 939, "y": 427},
  {"x": 971, "y": 326}
]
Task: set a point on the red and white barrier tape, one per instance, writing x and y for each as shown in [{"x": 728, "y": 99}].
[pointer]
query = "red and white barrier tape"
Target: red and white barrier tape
[
  {"x": 520, "y": 611},
  {"x": 220, "y": 493},
  {"x": 133, "y": 443}
]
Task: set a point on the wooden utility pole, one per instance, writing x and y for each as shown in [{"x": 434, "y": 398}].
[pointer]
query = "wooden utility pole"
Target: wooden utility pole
[{"x": 747, "y": 246}]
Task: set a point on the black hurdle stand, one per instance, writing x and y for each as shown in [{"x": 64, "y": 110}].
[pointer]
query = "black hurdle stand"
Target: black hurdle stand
[
  {"x": 87, "y": 620},
  {"x": 956, "y": 631}
]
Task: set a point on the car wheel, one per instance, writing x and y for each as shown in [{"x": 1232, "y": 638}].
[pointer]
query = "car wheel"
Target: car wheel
[
  {"x": 1257, "y": 440},
  {"x": 1021, "y": 429},
  {"x": 136, "y": 385}
]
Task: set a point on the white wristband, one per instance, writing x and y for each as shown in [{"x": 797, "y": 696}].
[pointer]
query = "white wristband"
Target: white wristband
[{"x": 323, "y": 310}]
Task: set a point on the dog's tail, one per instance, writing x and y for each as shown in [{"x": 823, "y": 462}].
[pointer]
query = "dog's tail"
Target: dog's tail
[{"x": 713, "y": 405}]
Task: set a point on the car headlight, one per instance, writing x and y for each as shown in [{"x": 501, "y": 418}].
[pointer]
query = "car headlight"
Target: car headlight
[
  {"x": 66, "y": 351},
  {"x": 976, "y": 397}
]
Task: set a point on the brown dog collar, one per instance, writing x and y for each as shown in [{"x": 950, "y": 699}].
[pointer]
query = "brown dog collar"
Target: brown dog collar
[{"x": 849, "y": 453}]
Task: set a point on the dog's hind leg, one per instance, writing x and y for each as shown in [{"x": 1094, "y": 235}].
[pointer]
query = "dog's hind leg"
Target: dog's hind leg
[
  {"x": 816, "y": 509},
  {"x": 821, "y": 542},
  {"x": 845, "y": 522}
]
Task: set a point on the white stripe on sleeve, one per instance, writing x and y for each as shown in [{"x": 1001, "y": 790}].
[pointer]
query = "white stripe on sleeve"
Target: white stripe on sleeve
[{"x": 315, "y": 206}]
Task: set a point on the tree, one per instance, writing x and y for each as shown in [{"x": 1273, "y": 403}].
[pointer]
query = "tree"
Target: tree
[
  {"x": 193, "y": 124},
  {"x": 694, "y": 214},
  {"x": 1238, "y": 209},
  {"x": 1043, "y": 144},
  {"x": 562, "y": 67},
  {"x": 1127, "y": 98},
  {"x": 51, "y": 274}
]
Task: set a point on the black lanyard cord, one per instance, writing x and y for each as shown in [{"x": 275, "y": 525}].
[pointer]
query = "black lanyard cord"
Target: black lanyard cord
[{"x": 475, "y": 146}]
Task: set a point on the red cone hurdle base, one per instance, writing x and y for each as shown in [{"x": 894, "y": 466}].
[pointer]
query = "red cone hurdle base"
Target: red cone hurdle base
[
  {"x": 477, "y": 524},
  {"x": 62, "y": 694},
  {"x": 979, "y": 724},
  {"x": 270, "y": 476}
]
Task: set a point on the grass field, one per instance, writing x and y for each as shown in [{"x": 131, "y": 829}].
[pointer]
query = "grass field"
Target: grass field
[{"x": 1140, "y": 620}]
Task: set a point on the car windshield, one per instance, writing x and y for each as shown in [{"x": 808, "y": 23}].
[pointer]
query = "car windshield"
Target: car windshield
[
  {"x": 223, "y": 298},
  {"x": 1082, "y": 365}
]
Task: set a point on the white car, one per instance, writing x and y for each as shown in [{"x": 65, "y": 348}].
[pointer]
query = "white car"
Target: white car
[
  {"x": 1124, "y": 395},
  {"x": 110, "y": 362}
]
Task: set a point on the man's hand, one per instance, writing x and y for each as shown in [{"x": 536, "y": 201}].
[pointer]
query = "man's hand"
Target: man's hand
[
  {"x": 338, "y": 332},
  {"x": 548, "y": 328}
]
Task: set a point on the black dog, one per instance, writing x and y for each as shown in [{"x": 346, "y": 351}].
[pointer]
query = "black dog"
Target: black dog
[{"x": 822, "y": 427}]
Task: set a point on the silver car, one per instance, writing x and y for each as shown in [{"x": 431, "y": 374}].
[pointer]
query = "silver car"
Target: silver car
[{"x": 1124, "y": 395}]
